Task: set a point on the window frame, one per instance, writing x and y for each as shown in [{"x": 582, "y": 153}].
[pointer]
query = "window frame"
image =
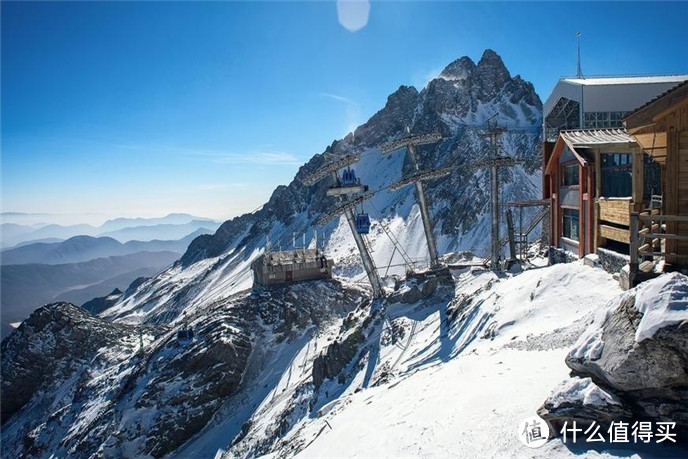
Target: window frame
[
  {"x": 617, "y": 164},
  {"x": 568, "y": 165},
  {"x": 564, "y": 217}
]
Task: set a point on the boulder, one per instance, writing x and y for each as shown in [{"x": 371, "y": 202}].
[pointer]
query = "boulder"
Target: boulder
[
  {"x": 415, "y": 291},
  {"x": 636, "y": 350},
  {"x": 581, "y": 400}
]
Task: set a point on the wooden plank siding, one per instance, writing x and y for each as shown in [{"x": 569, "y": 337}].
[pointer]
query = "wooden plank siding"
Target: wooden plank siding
[
  {"x": 661, "y": 127},
  {"x": 682, "y": 227},
  {"x": 581, "y": 212},
  {"x": 616, "y": 211},
  {"x": 671, "y": 186},
  {"x": 589, "y": 196},
  {"x": 615, "y": 234}
]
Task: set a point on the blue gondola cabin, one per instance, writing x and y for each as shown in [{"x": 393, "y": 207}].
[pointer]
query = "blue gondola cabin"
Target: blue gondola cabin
[{"x": 362, "y": 223}]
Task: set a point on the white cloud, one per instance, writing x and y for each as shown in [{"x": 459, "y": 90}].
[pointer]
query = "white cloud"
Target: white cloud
[
  {"x": 337, "y": 97},
  {"x": 263, "y": 158},
  {"x": 353, "y": 14}
]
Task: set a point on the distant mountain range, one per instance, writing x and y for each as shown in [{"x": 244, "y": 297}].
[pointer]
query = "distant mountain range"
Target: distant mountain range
[
  {"x": 170, "y": 227},
  {"x": 85, "y": 266},
  {"x": 29, "y": 286},
  {"x": 83, "y": 248}
]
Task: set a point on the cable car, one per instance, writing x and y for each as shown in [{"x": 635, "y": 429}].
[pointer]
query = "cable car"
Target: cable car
[
  {"x": 362, "y": 223},
  {"x": 348, "y": 178}
]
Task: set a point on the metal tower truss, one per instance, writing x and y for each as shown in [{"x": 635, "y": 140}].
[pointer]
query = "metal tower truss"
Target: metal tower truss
[
  {"x": 422, "y": 177},
  {"x": 411, "y": 142},
  {"x": 347, "y": 209},
  {"x": 494, "y": 163},
  {"x": 344, "y": 190},
  {"x": 499, "y": 161},
  {"x": 423, "y": 139},
  {"x": 331, "y": 168}
]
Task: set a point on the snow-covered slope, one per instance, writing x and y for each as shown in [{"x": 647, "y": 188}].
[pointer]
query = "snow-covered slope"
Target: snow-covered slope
[{"x": 451, "y": 377}]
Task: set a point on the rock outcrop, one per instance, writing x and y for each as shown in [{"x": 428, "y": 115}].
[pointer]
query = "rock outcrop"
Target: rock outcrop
[
  {"x": 337, "y": 356},
  {"x": 86, "y": 384},
  {"x": 76, "y": 385},
  {"x": 47, "y": 348},
  {"x": 100, "y": 304},
  {"x": 635, "y": 352}
]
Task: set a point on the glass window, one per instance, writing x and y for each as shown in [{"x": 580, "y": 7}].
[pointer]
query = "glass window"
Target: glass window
[
  {"x": 571, "y": 224},
  {"x": 570, "y": 175},
  {"x": 617, "y": 171},
  {"x": 602, "y": 120}
]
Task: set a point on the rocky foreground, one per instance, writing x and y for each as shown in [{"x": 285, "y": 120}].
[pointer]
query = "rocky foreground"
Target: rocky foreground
[
  {"x": 317, "y": 367},
  {"x": 76, "y": 385},
  {"x": 631, "y": 364}
]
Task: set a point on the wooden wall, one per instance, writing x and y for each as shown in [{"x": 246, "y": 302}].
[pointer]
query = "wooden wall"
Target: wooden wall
[{"x": 675, "y": 124}]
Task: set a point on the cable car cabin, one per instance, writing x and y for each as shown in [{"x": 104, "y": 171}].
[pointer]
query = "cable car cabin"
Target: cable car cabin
[
  {"x": 362, "y": 223},
  {"x": 284, "y": 267},
  {"x": 185, "y": 335},
  {"x": 348, "y": 184},
  {"x": 349, "y": 178}
]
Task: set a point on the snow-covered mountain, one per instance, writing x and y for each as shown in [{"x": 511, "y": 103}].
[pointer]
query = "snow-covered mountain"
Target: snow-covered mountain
[
  {"x": 457, "y": 104},
  {"x": 247, "y": 383}
]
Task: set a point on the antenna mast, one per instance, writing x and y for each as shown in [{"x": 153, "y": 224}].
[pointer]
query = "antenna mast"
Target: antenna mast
[{"x": 579, "y": 73}]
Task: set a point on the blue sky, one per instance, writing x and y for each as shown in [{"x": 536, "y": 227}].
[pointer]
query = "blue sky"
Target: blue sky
[{"x": 146, "y": 108}]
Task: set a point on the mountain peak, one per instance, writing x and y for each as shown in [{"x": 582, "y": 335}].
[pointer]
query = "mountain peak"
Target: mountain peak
[
  {"x": 459, "y": 69},
  {"x": 492, "y": 69},
  {"x": 490, "y": 55}
]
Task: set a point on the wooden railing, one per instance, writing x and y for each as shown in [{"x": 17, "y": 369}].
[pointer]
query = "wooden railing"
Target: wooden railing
[{"x": 614, "y": 216}]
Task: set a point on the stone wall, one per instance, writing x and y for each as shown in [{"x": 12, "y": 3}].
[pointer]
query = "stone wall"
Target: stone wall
[
  {"x": 611, "y": 261},
  {"x": 557, "y": 255}
]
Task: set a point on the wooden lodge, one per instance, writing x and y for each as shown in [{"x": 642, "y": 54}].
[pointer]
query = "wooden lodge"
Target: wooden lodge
[
  {"x": 624, "y": 189},
  {"x": 595, "y": 179}
]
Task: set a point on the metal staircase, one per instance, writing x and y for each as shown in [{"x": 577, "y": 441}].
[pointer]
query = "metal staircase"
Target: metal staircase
[{"x": 485, "y": 255}]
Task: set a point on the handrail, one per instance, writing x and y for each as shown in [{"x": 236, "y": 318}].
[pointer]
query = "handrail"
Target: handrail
[
  {"x": 637, "y": 252},
  {"x": 666, "y": 218}
]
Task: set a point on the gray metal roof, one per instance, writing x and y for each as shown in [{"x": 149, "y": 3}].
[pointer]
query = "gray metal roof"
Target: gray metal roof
[
  {"x": 286, "y": 257},
  {"x": 612, "y": 94},
  {"x": 607, "y": 80}
]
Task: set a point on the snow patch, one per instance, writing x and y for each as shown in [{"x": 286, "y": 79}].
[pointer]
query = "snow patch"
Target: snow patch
[
  {"x": 581, "y": 389},
  {"x": 663, "y": 302}
]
